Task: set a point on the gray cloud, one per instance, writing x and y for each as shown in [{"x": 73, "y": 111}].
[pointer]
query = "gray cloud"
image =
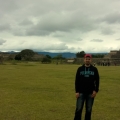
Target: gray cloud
[
  {"x": 60, "y": 23},
  {"x": 66, "y": 24},
  {"x": 2, "y": 41},
  {"x": 37, "y": 32},
  {"x": 8, "y": 6},
  {"x": 107, "y": 31},
  {"x": 79, "y": 39},
  {"x": 118, "y": 39},
  {"x": 5, "y": 27},
  {"x": 96, "y": 40},
  {"x": 26, "y": 22},
  {"x": 112, "y": 18},
  {"x": 60, "y": 46}
]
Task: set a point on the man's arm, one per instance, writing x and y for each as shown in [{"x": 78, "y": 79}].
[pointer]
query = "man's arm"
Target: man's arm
[
  {"x": 97, "y": 79},
  {"x": 77, "y": 81}
]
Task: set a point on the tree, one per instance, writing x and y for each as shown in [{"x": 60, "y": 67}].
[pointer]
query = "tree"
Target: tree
[
  {"x": 18, "y": 57},
  {"x": 48, "y": 56},
  {"x": 97, "y": 55},
  {"x": 59, "y": 57},
  {"x": 27, "y": 54},
  {"x": 80, "y": 54},
  {"x": 11, "y": 57},
  {"x": 1, "y": 59},
  {"x": 46, "y": 60}
]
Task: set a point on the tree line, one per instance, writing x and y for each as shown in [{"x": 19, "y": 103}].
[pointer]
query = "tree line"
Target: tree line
[
  {"x": 82, "y": 53},
  {"x": 28, "y": 54}
]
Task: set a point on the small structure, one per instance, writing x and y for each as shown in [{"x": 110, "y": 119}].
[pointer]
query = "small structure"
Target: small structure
[{"x": 70, "y": 61}]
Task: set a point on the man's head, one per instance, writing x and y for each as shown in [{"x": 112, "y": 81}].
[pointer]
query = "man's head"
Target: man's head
[{"x": 87, "y": 59}]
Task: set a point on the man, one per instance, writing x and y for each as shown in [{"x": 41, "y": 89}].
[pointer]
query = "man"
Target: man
[{"x": 86, "y": 87}]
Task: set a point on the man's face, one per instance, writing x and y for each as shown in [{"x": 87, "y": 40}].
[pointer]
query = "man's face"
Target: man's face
[{"x": 87, "y": 60}]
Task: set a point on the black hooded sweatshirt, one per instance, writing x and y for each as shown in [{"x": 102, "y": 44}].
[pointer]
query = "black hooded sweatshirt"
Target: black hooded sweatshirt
[{"x": 87, "y": 79}]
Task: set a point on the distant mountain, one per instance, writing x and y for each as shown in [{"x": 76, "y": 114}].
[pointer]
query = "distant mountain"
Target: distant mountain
[
  {"x": 98, "y": 53},
  {"x": 65, "y": 54}
]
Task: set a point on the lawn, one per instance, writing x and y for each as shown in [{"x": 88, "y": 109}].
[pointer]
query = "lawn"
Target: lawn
[{"x": 34, "y": 91}]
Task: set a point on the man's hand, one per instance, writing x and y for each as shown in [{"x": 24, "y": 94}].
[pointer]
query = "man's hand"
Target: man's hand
[
  {"x": 94, "y": 94},
  {"x": 77, "y": 95}
]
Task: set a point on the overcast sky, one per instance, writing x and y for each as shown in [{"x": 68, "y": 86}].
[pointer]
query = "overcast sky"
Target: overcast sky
[{"x": 60, "y": 25}]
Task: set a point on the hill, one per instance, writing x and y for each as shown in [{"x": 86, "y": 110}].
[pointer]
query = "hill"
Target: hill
[{"x": 65, "y": 54}]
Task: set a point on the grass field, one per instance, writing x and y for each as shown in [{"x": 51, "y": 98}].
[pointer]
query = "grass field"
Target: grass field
[{"x": 34, "y": 91}]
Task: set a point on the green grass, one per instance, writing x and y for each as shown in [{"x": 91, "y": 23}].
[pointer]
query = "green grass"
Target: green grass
[{"x": 34, "y": 91}]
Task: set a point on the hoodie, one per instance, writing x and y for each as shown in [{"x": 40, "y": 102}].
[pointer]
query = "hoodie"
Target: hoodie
[{"x": 87, "y": 79}]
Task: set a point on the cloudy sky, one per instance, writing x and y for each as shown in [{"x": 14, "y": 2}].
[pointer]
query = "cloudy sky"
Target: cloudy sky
[{"x": 60, "y": 25}]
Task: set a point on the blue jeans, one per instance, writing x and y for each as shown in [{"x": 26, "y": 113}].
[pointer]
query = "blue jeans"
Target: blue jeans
[{"x": 88, "y": 100}]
